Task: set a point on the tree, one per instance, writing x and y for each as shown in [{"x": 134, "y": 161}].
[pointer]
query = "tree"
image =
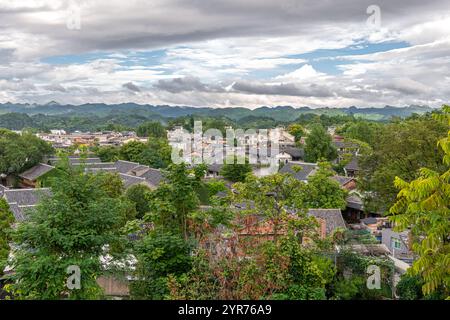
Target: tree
[
  {"x": 108, "y": 153},
  {"x": 322, "y": 191},
  {"x": 423, "y": 206},
  {"x": 235, "y": 171},
  {"x": 319, "y": 145},
  {"x": 72, "y": 227},
  {"x": 6, "y": 220},
  {"x": 362, "y": 130},
  {"x": 160, "y": 255},
  {"x": 275, "y": 197},
  {"x": 297, "y": 131},
  {"x": 157, "y": 154},
  {"x": 151, "y": 129},
  {"x": 173, "y": 201},
  {"x": 132, "y": 151},
  {"x": 401, "y": 149},
  {"x": 138, "y": 195},
  {"x": 20, "y": 152}
]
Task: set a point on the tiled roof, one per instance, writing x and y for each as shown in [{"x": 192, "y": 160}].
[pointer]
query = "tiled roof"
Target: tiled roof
[
  {"x": 294, "y": 152},
  {"x": 36, "y": 172},
  {"x": 153, "y": 176},
  {"x": 97, "y": 165},
  {"x": 215, "y": 167},
  {"x": 344, "y": 144},
  {"x": 355, "y": 202},
  {"x": 129, "y": 180},
  {"x": 333, "y": 218},
  {"x": 353, "y": 164},
  {"x": 307, "y": 169},
  {"x": 342, "y": 179},
  {"x": 2, "y": 190},
  {"x": 26, "y": 197},
  {"x": 125, "y": 166},
  {"x": 22, "y": 200},
  {"x": 76, "y": 160}
]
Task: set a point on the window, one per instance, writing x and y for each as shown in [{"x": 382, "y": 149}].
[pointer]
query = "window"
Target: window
[{"x": 395, "y": 243}]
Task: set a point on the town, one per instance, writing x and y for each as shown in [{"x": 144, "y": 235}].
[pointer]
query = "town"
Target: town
[
  {"x": 326, "y": 192},
  {"x": 224, "y": 158}
]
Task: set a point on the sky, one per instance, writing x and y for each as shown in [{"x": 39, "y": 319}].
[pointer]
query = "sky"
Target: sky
[{"x": 230, "y": 53}]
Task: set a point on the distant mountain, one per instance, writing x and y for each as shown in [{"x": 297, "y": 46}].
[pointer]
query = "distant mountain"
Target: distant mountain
[{"x": 279, "y": 113}]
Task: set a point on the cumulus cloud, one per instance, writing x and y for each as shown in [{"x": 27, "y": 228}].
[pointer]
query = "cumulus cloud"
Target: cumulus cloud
[
  {"x": 224, "y": 53},
  {"x": 131, "y": 86}
]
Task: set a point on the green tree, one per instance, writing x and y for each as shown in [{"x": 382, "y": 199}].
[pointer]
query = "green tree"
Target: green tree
[
  {"x": 362, "y": 130},
  {"x": 108, "y": 153},
  {"x": 160, "y": 255},
  {"x": 423, "y": 206},
  {"x": 322, "y": 191},
  {"x": 20, "y": 152},
  {"x": 70, "y": 227},
  {"x": 274, "y": 197},
  {"x": 319, "y": 145},
  {"x": 138, "y": 195},
  {"x": 151, "y": 129},
  {"x": 156, "y": 154},
  {"x": 235, "y": 171},
  {"x": 132, "y": 151},
  {"x": 173, "y": 201},
  {"x": 297, "y": 131},
  {"x": 6, "y": 220},
  {"x": 400, "y": 150}
]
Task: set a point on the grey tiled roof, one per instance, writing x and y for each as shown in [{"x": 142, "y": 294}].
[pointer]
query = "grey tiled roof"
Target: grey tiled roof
[
  {"x": 215, "y": 167},
  {"x": 307, "y": 169},
  {"x": 333, "y": 218},
  {"x": 353, "y": 164},
  {"x": 18, "y": 213},
  {"x": 129, "y": 180},
  {"x": 153, "y": 176},
  {"x": 97, "y": 165},
  {"x": 21, "y": 201},
  {"x": 75, "y": 160},
  {"x": 125, "y": 166},
  {"x": 36, "y": 172},
  {"x": 344, "y": 144},
  {"x": 355, "y": 202},
  {"x": 369, "y": 220},
  {"x": 26, "y": 197},
  {"x": 294, "y": 152},
  {"x": 342, "y": 179},
  {"x": 2, "y": 190}
]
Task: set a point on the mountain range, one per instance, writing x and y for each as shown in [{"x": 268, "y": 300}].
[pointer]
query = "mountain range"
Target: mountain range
[{"x": 279, "y": 113}]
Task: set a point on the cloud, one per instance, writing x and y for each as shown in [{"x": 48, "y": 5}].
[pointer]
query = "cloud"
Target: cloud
[
  {"x": 182, "y": 84},
  {"x": 131, "y": 86},
  {"x": 190, "y": 52},
  {"x": 283, "y": 89}
]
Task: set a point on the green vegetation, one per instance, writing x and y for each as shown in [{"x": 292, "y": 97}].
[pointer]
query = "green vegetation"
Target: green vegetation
[
  {"x": 191, "y": 244},
  {"x": 423, "y": 206},
  {"x": 400, "y": 150},
  {"x": 319, "y": 145},
  {"x": 20, "y": 152},
  {"x": 236, "y": 172},
  {"x": 84, "y": 214},
  {"x": 6, "y": 220}
]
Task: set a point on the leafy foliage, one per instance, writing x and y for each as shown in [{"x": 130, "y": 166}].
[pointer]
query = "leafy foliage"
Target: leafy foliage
[
  {"x": 6, "y": 220},
  {"x": 319, "y": 145},
  {"x": 400, "y": 150},
  {"x": 236, "y": 172},
  {"x": 71, "y": 227},
  {"x": 423, "y": 206},
  {"x": 20, "y": 152}
]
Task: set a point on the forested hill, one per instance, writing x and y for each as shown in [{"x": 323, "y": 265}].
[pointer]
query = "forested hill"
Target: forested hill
[{"x": 280, "y": 113}]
